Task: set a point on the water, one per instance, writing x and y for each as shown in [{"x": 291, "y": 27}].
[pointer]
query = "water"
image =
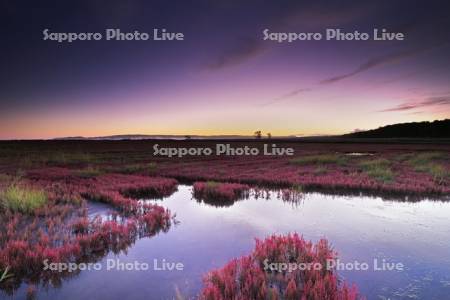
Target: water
[{"x": 360, "y": 229}]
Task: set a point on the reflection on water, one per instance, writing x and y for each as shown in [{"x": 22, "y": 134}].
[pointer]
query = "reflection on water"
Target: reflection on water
[
  {"x": 99, "y": 209},
  {"x": 360, "y": 229},
  {"x": 359, "y": 154}
]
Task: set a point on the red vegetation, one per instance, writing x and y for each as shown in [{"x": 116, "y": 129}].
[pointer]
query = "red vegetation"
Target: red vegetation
[
  {"x": 215, "y": 191},
  {"x": 121, "y": 190},
  {"x": 62, "y": 232},
  {"x": 136, "y": 157},
  {"x": 281, "y": 172},
  {"x": 248, "y": 277}
]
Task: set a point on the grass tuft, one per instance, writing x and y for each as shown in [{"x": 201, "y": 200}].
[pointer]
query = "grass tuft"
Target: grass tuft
[
  {"x": 5, "y": 275},
  {"x": 427, "y": 162},
  {"x": 378, "y": 169},
  {"x": 18, "y": 199},
  {"x": 211, "y": 184}
]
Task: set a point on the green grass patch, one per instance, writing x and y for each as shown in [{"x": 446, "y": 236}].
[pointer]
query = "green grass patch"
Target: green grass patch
[
  {"x": 211, "y": 184},
  {"x": 428, "y": 162},
  {"x": 320, "y": 159},
  {"x": 424, "y": 158},
  {"x": 378, "y": 169},
  {"x": 438, "y": 172},
  {"x": 19, "y": 199}
]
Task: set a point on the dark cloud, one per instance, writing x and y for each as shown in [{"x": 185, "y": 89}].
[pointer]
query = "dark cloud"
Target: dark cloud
[{"x": 426, "y": 103}]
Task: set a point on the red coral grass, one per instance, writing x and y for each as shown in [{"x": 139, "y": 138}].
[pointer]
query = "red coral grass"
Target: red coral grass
[
  {"x": 249, "y": 278},
  {"x": 61, "y": 231},
  {"x": 281, "y": 172},
  {"x": 213, "y": 191}
]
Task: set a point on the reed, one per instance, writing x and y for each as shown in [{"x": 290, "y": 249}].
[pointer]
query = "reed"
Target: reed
[{"x": 22, "y": 199}]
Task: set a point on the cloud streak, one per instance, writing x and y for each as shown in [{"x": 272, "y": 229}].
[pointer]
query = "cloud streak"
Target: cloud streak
[
  {"x": 291, "y": 16},
  {"x": 244, "y": 50},
  {"x": 287, "y": 96},
  {"x": 375, "y": 62},
  {"x": 372, "y": 63},
  {"x": 426, "y": 103}
]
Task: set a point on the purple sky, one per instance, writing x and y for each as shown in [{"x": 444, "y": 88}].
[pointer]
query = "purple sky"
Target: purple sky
[{"x": 223, "y": 78}]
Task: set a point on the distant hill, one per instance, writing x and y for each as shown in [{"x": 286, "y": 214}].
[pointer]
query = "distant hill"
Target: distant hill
[
  {"x": 435, "y": 129},
  {"x": 154, "y": 137}
]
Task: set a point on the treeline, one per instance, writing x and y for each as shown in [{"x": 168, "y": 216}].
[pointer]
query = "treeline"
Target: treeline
[{"x": 435, "y": 129}]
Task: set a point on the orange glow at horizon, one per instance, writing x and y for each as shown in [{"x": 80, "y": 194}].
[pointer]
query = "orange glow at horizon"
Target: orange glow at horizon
[
  {"x": 93, "y": 126},
  {"x": 230, "y": 103}
]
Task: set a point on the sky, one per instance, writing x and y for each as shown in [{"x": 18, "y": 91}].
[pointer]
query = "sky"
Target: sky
[{"x": 223, "y": 78}]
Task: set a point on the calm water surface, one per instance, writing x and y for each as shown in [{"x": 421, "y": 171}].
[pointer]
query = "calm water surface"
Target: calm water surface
[{"x": 359, "y": 228}]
